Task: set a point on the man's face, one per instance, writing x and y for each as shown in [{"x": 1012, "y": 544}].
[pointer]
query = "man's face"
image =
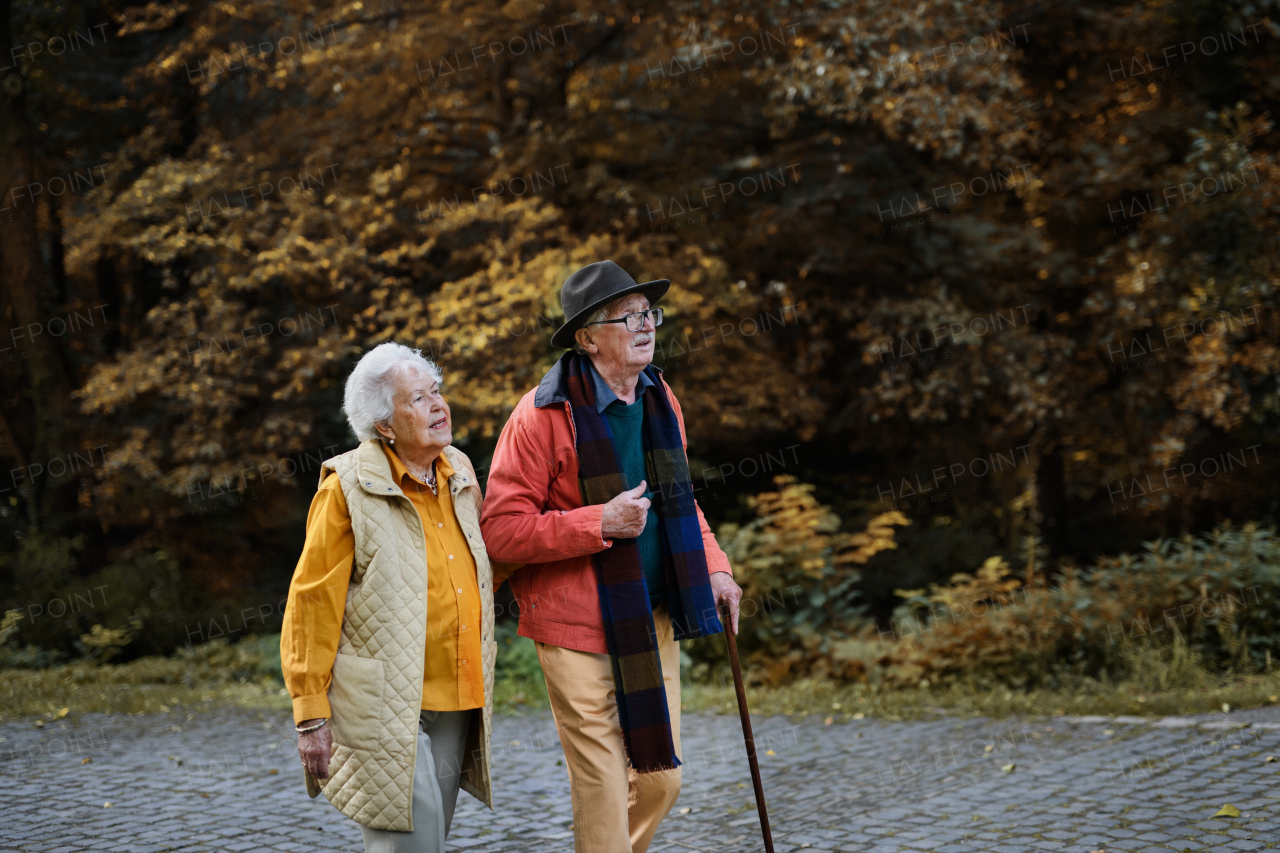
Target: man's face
[{"x": 615, "y": 349}]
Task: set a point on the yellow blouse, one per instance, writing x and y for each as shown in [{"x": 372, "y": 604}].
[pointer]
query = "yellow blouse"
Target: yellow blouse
[{"x": 453, "y": 677}]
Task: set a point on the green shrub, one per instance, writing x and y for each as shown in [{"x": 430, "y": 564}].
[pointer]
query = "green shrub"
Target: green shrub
[
  {"x": 799, "y": 576},
  {"x": 1212, "y": 600},
  {"x": 517, "y": 675},
  {"x": 141, "y": 604}
]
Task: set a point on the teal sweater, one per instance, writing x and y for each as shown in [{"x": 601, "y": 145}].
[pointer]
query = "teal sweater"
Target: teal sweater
[{"x": 628, "y": 444}]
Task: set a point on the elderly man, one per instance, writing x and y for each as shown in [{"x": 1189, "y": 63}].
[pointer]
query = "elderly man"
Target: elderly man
[
  {"x": 387, "y": 645},
  {"x": 590, "y": 488}
]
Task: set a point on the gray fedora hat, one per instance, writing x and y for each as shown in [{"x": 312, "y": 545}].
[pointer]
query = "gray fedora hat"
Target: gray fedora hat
[{"x": 593, "y": 286}]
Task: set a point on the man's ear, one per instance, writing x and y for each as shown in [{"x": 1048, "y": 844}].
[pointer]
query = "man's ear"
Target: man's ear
[{"x": 583, "y": 337}]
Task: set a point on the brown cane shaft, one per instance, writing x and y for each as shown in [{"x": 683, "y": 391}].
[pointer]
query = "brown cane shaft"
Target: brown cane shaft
[{"x": 746, "y": 731}]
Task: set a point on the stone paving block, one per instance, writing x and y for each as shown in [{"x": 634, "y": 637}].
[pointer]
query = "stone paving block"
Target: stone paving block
[{"x": 903, "y": 786}]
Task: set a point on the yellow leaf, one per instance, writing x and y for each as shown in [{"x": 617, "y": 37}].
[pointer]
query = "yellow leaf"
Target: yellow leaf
[
  {"x": 1008, "y": 768},
  {"x": 86, "y": 761},
  {"x": 1228, "y": 810},
  {"x": 771, "y": 752},
  {"x": 62, "y": 713}
]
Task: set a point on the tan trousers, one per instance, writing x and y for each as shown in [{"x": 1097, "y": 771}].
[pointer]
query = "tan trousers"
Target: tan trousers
[{"x": 615, "y": 809}]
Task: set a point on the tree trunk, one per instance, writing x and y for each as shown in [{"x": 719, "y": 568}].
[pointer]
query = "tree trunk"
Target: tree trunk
[
  {"x": 1051, "y": 501},
  {"x": 24, "y": 287}
]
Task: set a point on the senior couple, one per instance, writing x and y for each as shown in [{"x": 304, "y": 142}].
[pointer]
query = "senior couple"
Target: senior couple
[{"x": 387, "y": 646}]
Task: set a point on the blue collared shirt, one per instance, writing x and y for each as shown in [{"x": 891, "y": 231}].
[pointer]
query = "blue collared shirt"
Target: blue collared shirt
[{"x": 605, "y": 395}]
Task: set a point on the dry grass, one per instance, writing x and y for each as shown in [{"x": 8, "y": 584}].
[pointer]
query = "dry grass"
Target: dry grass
[
  {"x": 1160, "y": 681},
  {"x": 843, "y": 703}
]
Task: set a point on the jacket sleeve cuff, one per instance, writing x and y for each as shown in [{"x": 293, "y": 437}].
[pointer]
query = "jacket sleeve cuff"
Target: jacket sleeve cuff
[
  {"x": 589, "y": 521},
  {"x": 310, "y": 707}
]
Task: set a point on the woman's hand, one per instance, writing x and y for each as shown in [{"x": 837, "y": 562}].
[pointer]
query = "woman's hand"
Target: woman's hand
[{"x": 315, "y": 748}]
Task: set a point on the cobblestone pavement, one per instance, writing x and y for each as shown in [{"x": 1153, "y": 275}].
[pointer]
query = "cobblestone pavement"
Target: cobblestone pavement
[{"x": 229, "y": 781}]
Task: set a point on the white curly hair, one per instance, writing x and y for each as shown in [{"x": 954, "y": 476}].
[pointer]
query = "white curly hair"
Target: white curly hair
[{"x": 369, "y": 395}]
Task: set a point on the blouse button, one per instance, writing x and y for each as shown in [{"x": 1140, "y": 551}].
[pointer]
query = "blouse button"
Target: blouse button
[
  {"x": 450, "y": 556},
  {"x": 439, "y": 524},
  {"x": 419, "y": 596},
  {"x": 459, "y": 590}
]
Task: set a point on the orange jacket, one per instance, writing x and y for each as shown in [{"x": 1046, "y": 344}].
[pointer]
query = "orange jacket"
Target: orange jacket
[{"x": 533, "y": 514}]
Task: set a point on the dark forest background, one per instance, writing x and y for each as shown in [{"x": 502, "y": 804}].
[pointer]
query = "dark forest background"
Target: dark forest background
[{"x": 1008, "y": 269}]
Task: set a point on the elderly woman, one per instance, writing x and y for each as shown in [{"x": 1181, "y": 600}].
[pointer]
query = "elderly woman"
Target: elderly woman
[{"x": 387, "y": 646}]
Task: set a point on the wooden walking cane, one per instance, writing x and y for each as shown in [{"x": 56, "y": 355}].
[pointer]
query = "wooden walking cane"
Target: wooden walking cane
[{"x": 746, "y": 729}]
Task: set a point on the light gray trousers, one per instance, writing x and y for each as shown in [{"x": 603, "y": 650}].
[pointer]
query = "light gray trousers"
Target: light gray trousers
[{"x": 442, "y": 738}]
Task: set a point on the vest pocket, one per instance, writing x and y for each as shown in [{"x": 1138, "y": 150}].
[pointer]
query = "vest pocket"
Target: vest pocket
[{"x": 355, "y": 700}]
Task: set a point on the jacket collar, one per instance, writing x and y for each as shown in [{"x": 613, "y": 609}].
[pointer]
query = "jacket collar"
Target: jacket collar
[
  {"x": 375, "y": 475},
  {"x": 554, "y": 387}
]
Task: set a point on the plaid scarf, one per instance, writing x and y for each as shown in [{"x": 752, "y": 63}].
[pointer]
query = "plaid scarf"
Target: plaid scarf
[{"x": 624, "y": 597}]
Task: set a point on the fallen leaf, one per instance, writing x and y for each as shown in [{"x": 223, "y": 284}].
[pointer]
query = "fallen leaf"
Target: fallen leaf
[
  {"x": 514, "y": 743},
  {"x": 835, "y": 706},
  {"x": 989, "y": 747},
  {"x": 106, "y": 805},
  {"x": 1008, "y": 768},
  {"x": 273, "y": 772},
  {"x": 1108, "y": 731},
  {"x": 1269, "y": 759},
  {"x": 740, "y": 785},
  {"x": 769, "y": 752},
  {"x": 828, "y": 721},
  {"x": 39, "y": 724},
  {"x": 164, "y": 708},
  {"x": 62, "y": 713},
  {"x": 86, "y": 761},
  {"x": 1228, "y": 810},
  {"x": 1226, "y": 709},
  {"x": 859, "y": 716},
  {"x": 684, "y": 811}
]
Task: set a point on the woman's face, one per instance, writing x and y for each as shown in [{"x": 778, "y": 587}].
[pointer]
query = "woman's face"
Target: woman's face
[{"x": 421, "y": 422}]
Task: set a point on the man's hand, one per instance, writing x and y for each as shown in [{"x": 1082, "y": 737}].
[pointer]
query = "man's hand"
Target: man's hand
[
  {"x": 724, "y": 589},
  {"x": 625, "y": 515},
  {"x": 315, "y": 749}
]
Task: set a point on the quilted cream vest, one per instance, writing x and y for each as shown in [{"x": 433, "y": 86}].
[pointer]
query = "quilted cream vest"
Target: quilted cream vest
[{"x": 376, "y": 692}]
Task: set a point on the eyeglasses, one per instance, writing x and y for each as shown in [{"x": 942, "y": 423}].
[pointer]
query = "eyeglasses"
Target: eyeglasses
[{"x": 635, "y": 322}]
